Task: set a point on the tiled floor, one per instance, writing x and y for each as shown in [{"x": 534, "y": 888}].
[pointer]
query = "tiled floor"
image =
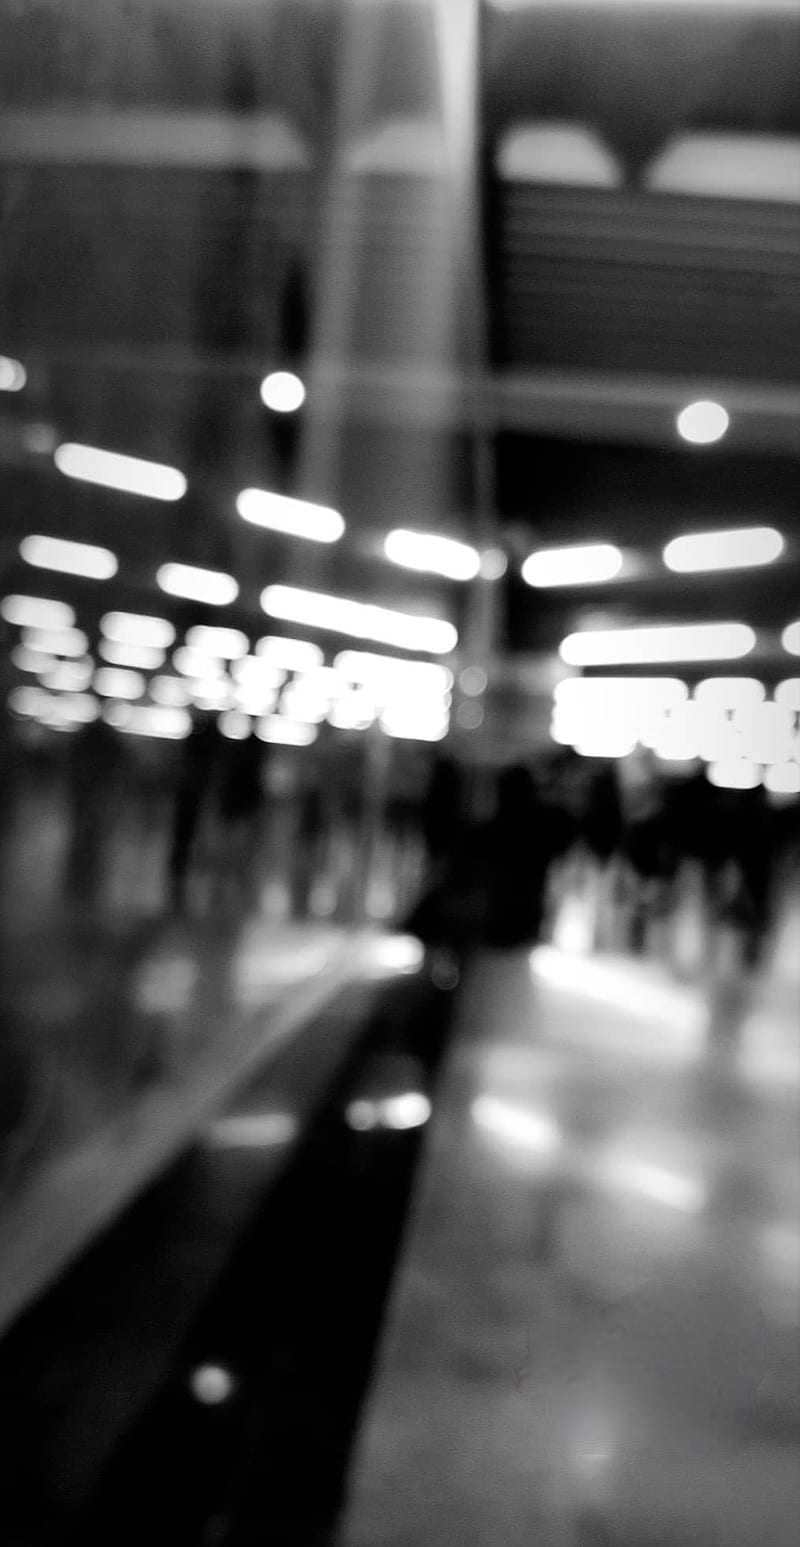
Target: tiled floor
[{"x": 594, "y": 1336}]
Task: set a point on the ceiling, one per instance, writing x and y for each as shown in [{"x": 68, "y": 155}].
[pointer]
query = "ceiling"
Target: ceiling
[{"x": 498, "y": 312}]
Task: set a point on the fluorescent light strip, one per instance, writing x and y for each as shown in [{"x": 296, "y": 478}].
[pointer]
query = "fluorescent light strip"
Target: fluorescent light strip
[
  {"x": 362, "y": 620},
  {"x": 234, "y": 725},
  {"x": 392, "y": 671},
  {"x": 728, "y": 692},
  {"x": 284, "y": 732},
  {"x": 790, "y": 638},
  {"x": 738, "y": 548},
  {"x": 288, "y": 654},
  {"x": 132, "y": 475},
  {"x": 69, "y": 676},
  {"x": 13, "y": 374},
  {"x": 787, "y": 694},
  {"x": 681, "y": 642},
  {"x": 739, "y": 774},
  {"x": 585, "y": 564},
  {"x": 756, "y": 8},
  {"x": 64, "y": 641},
  {"x": 25, "y": 659},
  {"x": 431, "y": 554},
  {"x": 198, "y": 585},
  {"x": 69, "y": 558},
  {"x": 195, "y": 663},
  {"x": 141, "y": 657},
  {"x": 783, "y": 779},
  {"x": 295, "y": 518},
  {"x": 223, "y": 643},
  {"x": 116, "y": 682},
  {"x": 172, "y": 724},
  {"x": 36, "y": 612},
  {"x": 136, "y": 628}
]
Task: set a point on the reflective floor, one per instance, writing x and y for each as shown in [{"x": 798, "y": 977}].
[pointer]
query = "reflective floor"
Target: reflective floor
[{"x": 595, "y": 1332}]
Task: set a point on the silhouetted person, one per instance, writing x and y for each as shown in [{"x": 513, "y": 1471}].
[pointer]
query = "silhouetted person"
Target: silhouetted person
[
  {"x": 96, "y": 766},
  {"x": 198, "y": 765},
  {"x": 521, "y": 851}
]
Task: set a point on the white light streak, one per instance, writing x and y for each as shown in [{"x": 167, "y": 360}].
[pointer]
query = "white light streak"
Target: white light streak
[
  {"x": 234, "y": 725},
  {"x": 362, "y": 620},
  {"x": 171, "y": 724},
  {"x": 284, "y": 732},
  {"x": 62, "y": 641},
  {"x": 211, "y": 1384},
  {"x": 132, "y": 475},
  {"x": 432, "y": 554},
  {"x": 405, "y": 723},
  {"x": 137, "y": 628},
  {"x": 681, "y": 642},
  {"x": 289, "y": 654},
  {"x": 355, "y": 711},
  {"x": 703, "y": 422},
  {"x": 13, "y": 374},
  {"x": 199, "y": 585},
  {"x": 783, "y": 779},
  {"x": 69, "y": 676},
  {"x": 409, "y": 1109},
  {"x": 723, "y": 693},
  {"x": 69, "y": 558},
  {"x": 36, "y": 612},
  {"x": 283, "y": 392},
  {"x": 520, "y": 1126},
  {"x": 740, "y": 774},
  {"x": 116, "y": 682},
  {"x": 738, "y": 548},
  {"x": 195, "y": 663},
  {"x": 670, "y": 1188},
  {"x": 36, "y": 661},
  {"x": 585, "y": 564},
  {"x": 141, "y": 657},
  {"x": 790, "y": 638},
  {"x": 392, "y": 674},
  {"x": 170, "y": 692},
  {"x": 253, "y": 1130},
  {"x": 227, "y": 644},
  {"x": 397, "y": 953},
  {"x": 295, "y": 518}
]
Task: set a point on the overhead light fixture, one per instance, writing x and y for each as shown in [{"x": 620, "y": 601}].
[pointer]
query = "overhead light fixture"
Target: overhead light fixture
[
  {"x": 170, "y": 692},
  {"x": 25, "y": 659},
  {"x": 703, "y": 422},
  {"x": 137, "y": 628},
  {"x": 787, "y": 694},
  {"x": 141, "y": 657},
  {"x": 392, "y": 673},
  {"x": 69, "y": 558},
  {"x": 585, "y": 564},
  {"x": 362, "y": 620},
  {"x": 234, "y": 725},
  {"x": 431, "y": 554},
  {"x": 737, "y": 548},
  {"x": 132, "y": 475},
  {"x": 739, "y": 774},
  {"x": 70, "y": 642},
  {"x": 212, "y": 586},
  {"x": 289, "y": 654},
  {"x": 681, "y": 642},
  {"x": 227, "y": 644},
  {"x": 790, "y": 638},
  {"x": 36, "y": 612},
  {"x": 783, "y": 779},
  {"x": 278, "y": 729},
  {"x": 493, "y": 564},
  {"x": 13, "y": 374},
  {"x": 195, "y": 663},
  {"x": 118, "y": 682},
  {"x": 69, "y": 676},
  {"x": 171, "y": 724},
  {"x": 725, "y": 693},
  {"x": 283, "y": 392},
  {"x": 295, "y": 518}
]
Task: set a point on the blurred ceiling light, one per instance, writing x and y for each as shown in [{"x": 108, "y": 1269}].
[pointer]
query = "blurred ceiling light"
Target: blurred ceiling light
[
  {"x": 283, "y": 392},
  {"x": 136, "y": 628},
  {"x": 289, "y": 654},
  {"x": 703, "y": 422},
  {"x": 605, "y": 744},
  {"x": 363, "y": 620},
  {"x": 77, "y": 708},
  {"x": 133, "y": 475},
  {"x": 355, "y": 711},
  {"x": 36, "y": 612},
  {"x": 234, "y": 725},
  {"x": 171, "y": 724},
  {"x": 62, "y": 641},
  {"x": 571, "y": 154},
  {"x": 519, "y": 1125},
  {"x": 408, "y": 146},
  {"x": 253, "y": 1130},
  {"x": 585, "y": 564},
  {"x": 195, "y": 663},
  {"x": 620, "y": 691},
  {"x": 668, "y": 1187},
  {"x": 29, "y": 701},
  {"x": 296, "y": 518},
  {"x": 739, "y": 548},
  {"x": 169, "y": 691},
  {"x": 609, "y": 982},
  {"x": 142, "y": 657},
  {"x": 397, "y": 953},
  {"x": 227, "y": 644},
  {"x": 787, "y": 694},
  {"x": 766, "y": 732},
  {"x": 116, "y": 682},
  {"x": 69, "y": 676},
  {"x": 211, "y": 1384},
  {"x": 406, "y": 724},
  {"x": 473, "y": 681},
  {"x": 493, "y": 564},
  {"x": 304, "y": 708},
  {"x": 783, "y": 779},
  {"x": 213, "y": 696},
  {"x": 740, "y": 774},
  {"x": 681, "y": 642},
  {"x": 432, "y": 554},
  {"x": 729, "y": 166},
  {"x": 790, "y": 638},
  {"x": 369, "y": 669},
  {"x": 13, "y": 374},
  {"x": 170, "y": 137},
  {"x": 198, "y": 585},
  {"x": 409, "y": 1109},
  {"x": 284, "y": 732},
  {"x": 757, "y": 7},
  {"x": 724, "y": 693},
  {"x": 70, "y": 558},
  {"x": 25, "y": 659}
]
